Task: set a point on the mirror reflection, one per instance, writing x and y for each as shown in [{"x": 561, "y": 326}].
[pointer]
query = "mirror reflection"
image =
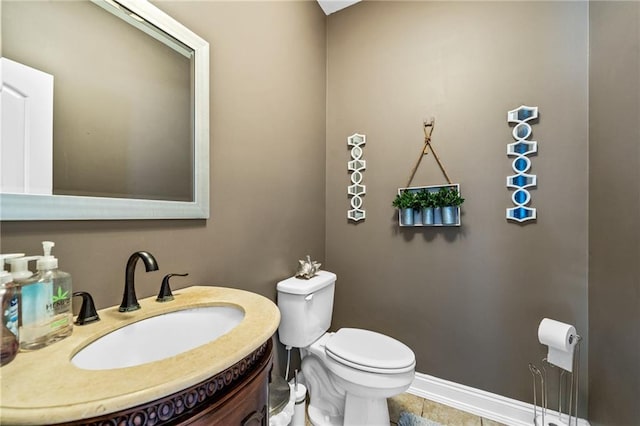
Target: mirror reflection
[{"x": 123, "y": 104}]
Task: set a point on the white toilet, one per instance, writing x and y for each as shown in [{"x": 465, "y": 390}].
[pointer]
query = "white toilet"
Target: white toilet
[{"x": 349, "y": 373}]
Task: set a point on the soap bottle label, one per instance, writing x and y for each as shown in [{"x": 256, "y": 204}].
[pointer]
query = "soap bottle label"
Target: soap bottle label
[
  {"x": 61, "y": 302},
  {"x": 37, "y": 311},
  {"x": 11, "y": 314}
]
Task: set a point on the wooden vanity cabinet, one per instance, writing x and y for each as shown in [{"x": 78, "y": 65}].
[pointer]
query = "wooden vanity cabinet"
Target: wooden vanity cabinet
[
  {"x": 244, "y": 405},
  {"x": 238, "y": 396}
]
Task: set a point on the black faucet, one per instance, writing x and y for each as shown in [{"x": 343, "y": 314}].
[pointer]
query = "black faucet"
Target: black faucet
[
  {"x": 87, "y": 312},
  {"x": 129, "y": 299}
]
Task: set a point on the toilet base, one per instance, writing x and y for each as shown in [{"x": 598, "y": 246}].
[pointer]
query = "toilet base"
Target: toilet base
[
  {"x": 318, "y": 417},
  {"x": 360, "y": 411}
]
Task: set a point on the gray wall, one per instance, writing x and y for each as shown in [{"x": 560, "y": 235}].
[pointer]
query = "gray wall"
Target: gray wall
[
  {"x": 267, "y": 165},
  {"x": 614, "y": 202},
  {"x": 468, "y": 300}
]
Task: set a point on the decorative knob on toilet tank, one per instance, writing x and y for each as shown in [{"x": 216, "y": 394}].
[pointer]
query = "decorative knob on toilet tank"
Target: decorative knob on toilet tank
[{"x": 307, "y": 268}]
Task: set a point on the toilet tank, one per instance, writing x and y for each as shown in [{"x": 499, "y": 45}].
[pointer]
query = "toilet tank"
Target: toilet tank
[{"x": 306, "y": 307}]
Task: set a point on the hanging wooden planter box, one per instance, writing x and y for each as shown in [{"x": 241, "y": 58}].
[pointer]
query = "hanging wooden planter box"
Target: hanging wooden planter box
[
  {"x": 414, "y": 202},
  {"x": 429, "y": 217}
]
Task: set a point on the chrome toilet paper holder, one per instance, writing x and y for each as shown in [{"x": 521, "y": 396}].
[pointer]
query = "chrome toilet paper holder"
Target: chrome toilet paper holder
[{"x": 542, "y": 415}]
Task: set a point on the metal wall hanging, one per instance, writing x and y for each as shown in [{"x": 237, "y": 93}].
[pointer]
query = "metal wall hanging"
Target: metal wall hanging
[
  {"x": 433, "y": 205},
  {"x": 357, "y": 165},
  {"x": 521, "y": 180}
]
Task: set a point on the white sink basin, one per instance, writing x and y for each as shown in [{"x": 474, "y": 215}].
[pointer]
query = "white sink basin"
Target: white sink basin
[{"x": 158, "y": 337}]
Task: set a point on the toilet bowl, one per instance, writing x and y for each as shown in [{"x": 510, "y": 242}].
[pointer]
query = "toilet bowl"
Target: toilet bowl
[
  {"x": 349, "y": 373},
  {"x": 364, "y": 367}
]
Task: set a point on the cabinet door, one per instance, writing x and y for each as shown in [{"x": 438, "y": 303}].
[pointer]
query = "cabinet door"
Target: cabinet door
[
  {"x": 256, "y": 418},
  {"x": 244, "y": 405}
]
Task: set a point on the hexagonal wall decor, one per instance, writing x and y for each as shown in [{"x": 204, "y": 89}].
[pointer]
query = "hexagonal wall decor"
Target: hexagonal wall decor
[
  {"x": 357, "y": 165},
  {"x": 520, "y": 149}
]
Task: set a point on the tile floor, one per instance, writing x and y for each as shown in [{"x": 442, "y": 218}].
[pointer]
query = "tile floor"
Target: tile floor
[{"x": 432, "y": 410}]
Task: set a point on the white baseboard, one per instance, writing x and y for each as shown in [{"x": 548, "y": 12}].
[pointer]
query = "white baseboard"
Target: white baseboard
[{"x": 485, "y": 404}]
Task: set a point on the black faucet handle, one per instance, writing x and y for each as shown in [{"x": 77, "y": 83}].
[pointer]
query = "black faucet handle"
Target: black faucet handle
[
  {"x": 87, "y": 312},
  {"x": 165, "y": 294}
]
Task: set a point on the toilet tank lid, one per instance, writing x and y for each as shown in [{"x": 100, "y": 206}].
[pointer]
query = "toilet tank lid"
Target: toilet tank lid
[{"x": 295, "y": 285}]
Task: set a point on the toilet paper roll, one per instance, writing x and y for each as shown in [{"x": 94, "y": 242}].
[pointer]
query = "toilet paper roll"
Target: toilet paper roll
[{"x": 561, "y": 340}]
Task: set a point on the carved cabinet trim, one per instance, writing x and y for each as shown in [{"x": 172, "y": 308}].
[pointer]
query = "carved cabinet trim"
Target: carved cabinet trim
[{"x": 204, "y": 400}]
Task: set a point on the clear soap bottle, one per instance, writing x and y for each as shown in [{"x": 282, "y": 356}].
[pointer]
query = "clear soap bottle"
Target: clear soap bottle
[{"x": 46, "y": 304}]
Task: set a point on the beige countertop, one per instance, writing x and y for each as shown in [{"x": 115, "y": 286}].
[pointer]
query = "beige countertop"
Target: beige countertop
[{"x": 44, "y": 387}]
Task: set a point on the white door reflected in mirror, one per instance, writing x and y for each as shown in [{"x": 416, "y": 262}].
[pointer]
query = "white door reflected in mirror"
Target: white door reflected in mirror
[{"x": 26, "y": 146}]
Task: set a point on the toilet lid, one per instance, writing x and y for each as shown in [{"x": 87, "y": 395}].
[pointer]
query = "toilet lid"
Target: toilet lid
[{"x": 370, "y": 351}]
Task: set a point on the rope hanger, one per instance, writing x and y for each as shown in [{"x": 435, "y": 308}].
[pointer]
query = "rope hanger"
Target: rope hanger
[{"x": 428, "y": 130}]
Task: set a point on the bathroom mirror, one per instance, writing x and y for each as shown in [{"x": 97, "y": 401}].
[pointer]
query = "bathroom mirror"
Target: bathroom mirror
[{"x": 148, "y": 179}]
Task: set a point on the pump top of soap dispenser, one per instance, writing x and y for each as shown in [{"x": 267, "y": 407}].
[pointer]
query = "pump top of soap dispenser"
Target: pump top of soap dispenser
[
  {"x": 20, "y": 267},
  {"x": 47, "y": 261},
  {"x": 6, "y": 277}
]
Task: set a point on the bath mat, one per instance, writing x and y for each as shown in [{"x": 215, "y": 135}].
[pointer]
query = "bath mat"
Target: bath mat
[{"x": 410, "y": 419}]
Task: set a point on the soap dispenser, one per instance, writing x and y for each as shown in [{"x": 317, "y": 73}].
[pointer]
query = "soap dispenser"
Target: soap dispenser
[
  {"x": 9, "y": 296},
  {"x": 20, "y": 267},
  {"x": 46, "y": 303},
  {"x": 62, "y": 322}
]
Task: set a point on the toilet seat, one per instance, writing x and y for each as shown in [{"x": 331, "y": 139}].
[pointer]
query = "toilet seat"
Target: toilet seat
[{"x": 370, "y": 351}]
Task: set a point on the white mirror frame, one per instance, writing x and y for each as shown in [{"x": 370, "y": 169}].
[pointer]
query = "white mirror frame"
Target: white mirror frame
[{"x": 14, "y": 207}]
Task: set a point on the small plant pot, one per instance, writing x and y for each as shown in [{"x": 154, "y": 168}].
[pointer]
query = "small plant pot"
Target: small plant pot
[
  {"x": 437, "y": 216},
  {"x": 427, "y": 216},
  {"x": 417, "y": 217},
  {"x": 407, "y": 216},
  {"x": 449, "y": 215}
]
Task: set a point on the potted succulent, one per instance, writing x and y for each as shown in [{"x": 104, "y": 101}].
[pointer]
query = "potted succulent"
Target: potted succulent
[
  {"x": 449, "y": 200},
  {"x": 405, "y": 201},
  {"x": 437, "y": 198},
  {"x": 417, "y": 209},
  {"x": 427, "y": 201}
]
